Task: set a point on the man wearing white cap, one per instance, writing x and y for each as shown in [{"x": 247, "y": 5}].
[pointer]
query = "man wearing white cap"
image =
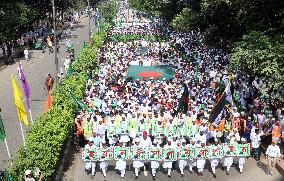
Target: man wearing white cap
[
  {"x": 154, "y": 164},
  {"x": 228, "y": 160},
  {"x": 200, "y": 163},
  {"x": 182, "y": 163},
  {"x": 242, "y": 159},
  {"x": 167, "y": 165},
  {"x": 120, "y": 164},
  {"x": 192, "y": 162},
  {"x": 90, "y": 166},
  {"x": 215, "y": 161},
  {"x": 137, "y": 164},
  {"x": 28, "y": 176},
  {"x": 103, "y": 164}
]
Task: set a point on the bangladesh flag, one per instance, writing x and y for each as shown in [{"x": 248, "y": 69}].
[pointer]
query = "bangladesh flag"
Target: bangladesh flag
[{"x": 2, "y": 130}]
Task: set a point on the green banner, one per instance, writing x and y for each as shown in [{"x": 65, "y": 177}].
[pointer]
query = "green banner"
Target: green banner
[
  {"x": 243, "y": 149},
  {"x": 170, "y": 154},
  {"x": 138, "y": 153},
  {"x": 121, "y": 153},
  {"x": 105, "y": 154},
  {"x": 186, "y": 153}
]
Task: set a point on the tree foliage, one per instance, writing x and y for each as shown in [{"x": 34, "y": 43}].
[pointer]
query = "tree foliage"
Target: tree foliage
[{"x": 18, "y": 16}]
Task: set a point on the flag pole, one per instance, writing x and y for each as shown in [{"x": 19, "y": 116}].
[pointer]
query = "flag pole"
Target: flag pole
[
  {"x": 8, "y": 151},
  {"x": 21, "y": 125},
  {"x": 31, "y": 116}
]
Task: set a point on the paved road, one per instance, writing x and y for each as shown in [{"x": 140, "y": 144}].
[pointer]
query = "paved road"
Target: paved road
[
  {"x": 35, "y": 71},
  {"x": 252, "y": 172}
]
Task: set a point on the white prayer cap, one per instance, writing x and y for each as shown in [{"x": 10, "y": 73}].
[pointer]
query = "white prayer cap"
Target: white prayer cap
[
  {"x": 28, "y": 172},
  {"x": 193, "y": 139},
  {"x": 243, "y": 139},
  {"x": 90, "y": 139},
  {"x": 182, "y": 140},
  {"x": 136, "y": 140},
  {"x": 103, "y": 141},
  {"x": 228, "y": 137},
  {"x": 215, "y": 139},
  {"x": 249, "y": 117}
]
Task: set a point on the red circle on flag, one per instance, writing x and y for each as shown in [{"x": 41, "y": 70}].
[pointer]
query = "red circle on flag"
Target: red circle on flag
[{"x": 150, "y": 74}]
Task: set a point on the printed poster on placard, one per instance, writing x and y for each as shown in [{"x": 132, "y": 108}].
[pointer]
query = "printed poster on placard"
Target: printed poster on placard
[
  {"x": 89, "y": 154},
  {"x": 243, "y": 149},
  {"x": 230, "y": 149},
  {"x": 138, "y": 153},
  {"x": 155, "y": 153},
  {"x": 111, "y": 131},
  {"x": 185, "y": 153},
  {"x": 216, "y": 151},
  {"x": 170, "y": 154},
  {"x": 105, "y": 153},
  {"x": 202, "y": 152},
  {"x": 121, "y": 153}
]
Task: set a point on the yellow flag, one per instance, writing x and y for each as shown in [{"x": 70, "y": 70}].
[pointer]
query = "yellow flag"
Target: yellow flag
[{"x": 18, "y": 101}]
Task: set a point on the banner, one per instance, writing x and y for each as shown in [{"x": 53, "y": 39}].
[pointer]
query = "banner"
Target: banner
[
  {"x": 89, "y": 154},
  {"x": 230, "y": 149},
  {"x": 170, "y": 154},
  {"x": 216, "y": 152},
  {"x": 105, "y": 153},
  {"x": 186, "y": 153},
  {"x": 138, "y": 153},
  {"x": 121, "y": 152},
  {"x": 243, "y": 149},
  {"x": 155, "y": 153},
  {"x": 166, "y": 154},
  {"x": 202, "y": 152}
]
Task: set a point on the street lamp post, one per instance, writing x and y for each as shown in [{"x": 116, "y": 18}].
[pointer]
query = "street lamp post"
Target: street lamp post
[
  {"x": 89, "y": 15},
  {"x": 55, "y": 41}
]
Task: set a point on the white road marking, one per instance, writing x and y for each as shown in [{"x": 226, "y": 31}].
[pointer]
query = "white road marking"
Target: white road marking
[
  {"x": 41, "y": 57},
  {"x": 31, "y": 65}
]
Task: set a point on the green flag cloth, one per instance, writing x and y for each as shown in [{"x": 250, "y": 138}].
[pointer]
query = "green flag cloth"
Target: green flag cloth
[
  {"x": 2, "y": 130},
  {"x": 80, "y": 103},
  {"x": 97, "y": 102}
]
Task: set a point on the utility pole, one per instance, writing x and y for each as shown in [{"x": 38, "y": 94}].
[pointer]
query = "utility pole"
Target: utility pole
[
  {"x": 55, "y": 41},
  {"x": 89, "y": 15}
]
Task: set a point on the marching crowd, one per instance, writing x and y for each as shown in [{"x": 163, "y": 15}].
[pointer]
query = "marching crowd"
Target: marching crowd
[{"x": 148, "y": 112}]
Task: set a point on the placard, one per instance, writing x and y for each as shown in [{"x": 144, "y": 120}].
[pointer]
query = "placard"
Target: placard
[
  {"x": 230, "y": 149},
  {"x": 216, "y": 151},
  {"x": 138, "y": 153},
  {"x": 155, "y": 153},
  {"x": 243, "y": 149},
  {"x": 121, "y": 153},
  {"x": 105, "y": 153},
  {"x": 89, "y": 154},
  {"x": 170, "y": 154},
  {"x": 186, "y": 153},
  {"x": 202, "y": 152}
]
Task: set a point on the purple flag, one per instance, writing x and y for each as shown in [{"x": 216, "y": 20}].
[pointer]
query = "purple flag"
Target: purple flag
[{"x": 25, "y": 84}]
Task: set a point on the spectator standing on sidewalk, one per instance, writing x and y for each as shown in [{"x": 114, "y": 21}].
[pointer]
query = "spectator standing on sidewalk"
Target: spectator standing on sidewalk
[
  {"x": 255, "y": 144},
  {"x": 1, "y": 54},
  {"x": 272, "y": 154},
  {"x": 26, "y": 53}
]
